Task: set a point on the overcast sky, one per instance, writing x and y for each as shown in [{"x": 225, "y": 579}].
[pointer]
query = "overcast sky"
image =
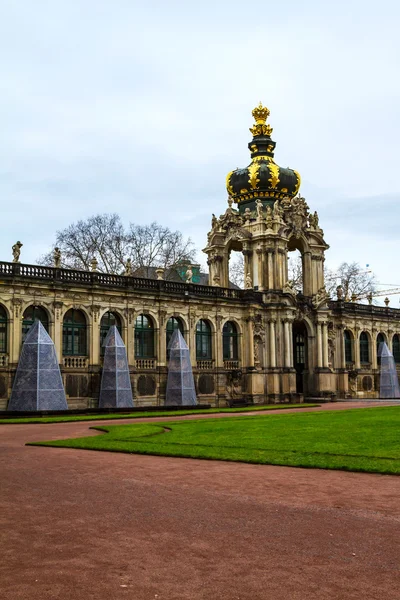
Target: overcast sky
[{"x": 142, "y": 108}]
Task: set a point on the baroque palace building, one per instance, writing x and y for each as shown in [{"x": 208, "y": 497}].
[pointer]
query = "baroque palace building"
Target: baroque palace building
[{"x": 265, "y": 343}]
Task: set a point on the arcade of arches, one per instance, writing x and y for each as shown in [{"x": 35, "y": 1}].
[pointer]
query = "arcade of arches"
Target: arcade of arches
[{"x": 276, "y": 344}]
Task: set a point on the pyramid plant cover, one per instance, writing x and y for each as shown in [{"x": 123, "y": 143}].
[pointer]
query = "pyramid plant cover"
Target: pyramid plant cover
[
  {"x": 389, "y": 382},
  {"x": 116, "y": 389},
  {"x": 180, "y": 383},
  {"x": 38, "y": 384}
]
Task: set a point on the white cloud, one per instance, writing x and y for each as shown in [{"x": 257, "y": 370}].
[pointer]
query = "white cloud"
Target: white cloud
[{"x": 142, "y": 109}]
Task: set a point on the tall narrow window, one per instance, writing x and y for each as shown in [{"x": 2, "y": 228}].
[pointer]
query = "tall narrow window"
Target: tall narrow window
[
  {"x": 107, "y": 320},
  {"x": 172, "y": 324},
  {"x": 380, "y": 339},
  {"x": 74, "y": 333},
  {"x": 300, "y": 349},
  {"x": 364, "y": 348},
  {"x": 348, "y": 346},
  {"x": 3, "y": 330},
  {"x": 144, "y": 337},
  {"x": 32, "y": 314},
  {"x": 203, "y": 340},
  {"x": 230, "y": 341},
  {"x": 396, "y": 348}
]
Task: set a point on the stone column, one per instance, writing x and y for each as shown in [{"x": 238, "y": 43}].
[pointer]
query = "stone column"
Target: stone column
[
  {"x": 374, "y": 354},
  {"x": 16, "y": 330},
  {"x": 162, "y": 341},
  {"x": 325, "y": 353},
  {"x": 271, "y": 281},
  {"x": 286, "y": 329},
  {"x": 191, "y": 341},
  {"x": 58, "y": 327},
  {"x": 272, "y": 344},
  {"x": 247, "y": 260},
  {"x": 291, "y": 344},
  {"x": 357, "y": 348},
  {"x": 319, "y": 345},
  {"x": 130, "y": 336},
  {"x": 342, "y": 347},
  {"x": 250, "y": 343},
  {"x": 219, "y": 357},
  {"x": 94, "y": 336},
  {"x": 259, "y": 252},
  {"x": 390, "y": 340},
  {"x": 307, "y": 274}
]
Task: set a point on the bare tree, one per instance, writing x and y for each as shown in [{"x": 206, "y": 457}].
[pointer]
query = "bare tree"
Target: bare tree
[
  {"x": 295, "y": 272},
  {"x": 355, "y": 281},
  {"x": 157, "y": 246},
  {"x": 104, "y": 238},
  {"x": 236, "y": 269}
]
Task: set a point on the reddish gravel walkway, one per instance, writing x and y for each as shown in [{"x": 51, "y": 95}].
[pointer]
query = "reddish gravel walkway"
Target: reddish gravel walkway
[{"x": 95, "y": 525}]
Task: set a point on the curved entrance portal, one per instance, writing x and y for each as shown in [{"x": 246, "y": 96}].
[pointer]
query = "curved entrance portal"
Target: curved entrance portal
[{"x": 300, "y": 352}]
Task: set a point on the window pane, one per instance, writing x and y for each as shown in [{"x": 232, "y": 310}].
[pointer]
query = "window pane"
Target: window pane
[{"x": 3, "y": 337}]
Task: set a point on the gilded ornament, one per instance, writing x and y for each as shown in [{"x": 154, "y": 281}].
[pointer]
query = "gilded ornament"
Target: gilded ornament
[
  {"x": 274, "y": 170},
  {"x": 260, "y": 113},
  {"x": 298, "y": 182},
  {"x": 261, "y": 130},
  {"x": 228, "y": 183},
  {"x": 254, "y": 169}
]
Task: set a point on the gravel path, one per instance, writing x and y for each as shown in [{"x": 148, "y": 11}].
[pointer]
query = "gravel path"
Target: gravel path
[{"x": 93, "y": 525}]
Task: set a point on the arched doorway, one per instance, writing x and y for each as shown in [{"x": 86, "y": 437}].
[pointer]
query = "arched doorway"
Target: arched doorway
[{"x": 300, "y": 352}]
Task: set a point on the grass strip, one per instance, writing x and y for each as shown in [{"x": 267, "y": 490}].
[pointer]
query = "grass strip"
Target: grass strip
[
  {"x": 365, "y": 440},
  {"x": 149, "y": 414}
]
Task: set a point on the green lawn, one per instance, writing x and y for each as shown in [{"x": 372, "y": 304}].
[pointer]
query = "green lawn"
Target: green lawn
[
  {"x": 148, "y": 414},
  {"x": 354, "y": 440}
]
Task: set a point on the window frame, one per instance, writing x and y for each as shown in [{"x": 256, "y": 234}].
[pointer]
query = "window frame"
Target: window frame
[
  {"x": 204, "y": 346},
  {"x": 144, "y": 337},
  {"x": 169, "y": 331},
  {"x": 3, "y": 330},
  {"x": 348, "y": 346},
  {"x": 230, "y": 345},
  {"x": 27, "y": 323},
  {"x": 364, "y": 348},
  {"x": 78, "y": 334}
]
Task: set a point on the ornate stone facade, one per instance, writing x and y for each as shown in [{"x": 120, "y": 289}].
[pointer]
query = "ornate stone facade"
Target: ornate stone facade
[{"x": 265, "y": 343}]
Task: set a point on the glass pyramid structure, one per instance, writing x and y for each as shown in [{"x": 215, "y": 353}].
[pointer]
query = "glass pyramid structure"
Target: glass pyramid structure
[
  {"x": 38, "y": 384},
  {"x": 389, "y": 382},
  {"x": 180, "y": 383},
  {"x": 116, "y": 389}
]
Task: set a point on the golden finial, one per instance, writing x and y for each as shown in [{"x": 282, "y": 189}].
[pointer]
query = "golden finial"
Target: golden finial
[{"x": 260, "y": 114}]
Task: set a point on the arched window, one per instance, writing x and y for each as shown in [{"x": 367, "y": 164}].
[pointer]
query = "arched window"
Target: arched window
[
  {"x": 203, "y": 340},
  {"x": 74, "y": 333},
  {"x": 3, "y": 330},
  {"x": 172, "y": 324},
  {"x": 348, "y": 346},
  {"x": 396, "y": 348},
  {"x": 230, "y": 341},
  {"x": 107, "y": 320},
  {"x": 144, "y": 337},
  {"x": 364, "y": 348},
  {"x": 380, "y": 339},
  {"x": 32, "y": 314}
]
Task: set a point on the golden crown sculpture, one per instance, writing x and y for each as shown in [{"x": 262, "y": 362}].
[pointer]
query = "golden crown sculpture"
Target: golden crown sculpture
[{"x": 261, "y": 114}]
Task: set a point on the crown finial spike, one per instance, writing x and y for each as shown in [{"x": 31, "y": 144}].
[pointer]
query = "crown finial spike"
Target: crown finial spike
[{"x": 261, "y": 114}]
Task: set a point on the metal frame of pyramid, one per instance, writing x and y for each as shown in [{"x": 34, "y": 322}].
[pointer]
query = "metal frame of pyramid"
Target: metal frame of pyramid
[
  {"x": 38, "y": 383},
  {"x": 116, "y": 389},
  {"x": 389, "y": 381},
  {"x": 180, "y": 383}
]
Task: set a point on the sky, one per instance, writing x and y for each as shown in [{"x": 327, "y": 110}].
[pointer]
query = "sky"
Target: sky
[{"x": 142, "y": 108}]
